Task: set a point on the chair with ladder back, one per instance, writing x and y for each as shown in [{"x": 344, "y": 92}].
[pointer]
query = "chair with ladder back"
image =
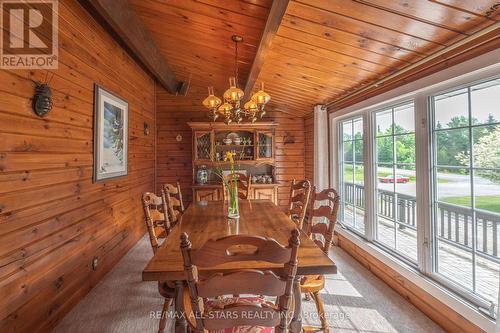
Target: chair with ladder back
[
  {"x": 320, "y": 226},
  {"x": 244, "y": 185},
  {"x": 300, "y": 192},
  {"x": 158, "y": 225},
  {"x": 205, "y": 306},
  {"x": 175, "y": 204}
]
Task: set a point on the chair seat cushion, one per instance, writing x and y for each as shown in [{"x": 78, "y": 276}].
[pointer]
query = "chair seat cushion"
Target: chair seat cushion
[{"x": 220, "y": 303}]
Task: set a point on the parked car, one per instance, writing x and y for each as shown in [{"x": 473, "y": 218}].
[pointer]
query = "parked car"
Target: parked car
[{"x": 390, "y": 179}]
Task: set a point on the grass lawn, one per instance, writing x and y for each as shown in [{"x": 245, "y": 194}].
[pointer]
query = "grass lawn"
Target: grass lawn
[
  {"x": 348, "y": 176},
  {"x": 359, "y": 176},
  {"x": 486, "y": 202}
]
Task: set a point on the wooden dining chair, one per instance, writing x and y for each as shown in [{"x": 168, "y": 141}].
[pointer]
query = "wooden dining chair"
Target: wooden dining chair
[
  {"x": 320, "y": 226},
  {"x": 300, "y": 192},
  {"x": 205, "y": 306},
  {"x": 173, "y": 196},
  {"x": 244, "y": 185},
  {"x": 158, "y": 225},
  {"x": 157, "y": 219}
]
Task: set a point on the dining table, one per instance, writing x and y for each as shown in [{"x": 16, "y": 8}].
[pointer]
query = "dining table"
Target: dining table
[{"x": 207, "y": 220}]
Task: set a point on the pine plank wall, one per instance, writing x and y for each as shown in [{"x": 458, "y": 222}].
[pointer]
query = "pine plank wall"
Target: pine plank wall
[{"x": 53, "y": 219}]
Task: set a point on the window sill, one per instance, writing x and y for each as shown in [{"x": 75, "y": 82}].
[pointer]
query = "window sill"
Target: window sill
[{"x": 453, "y": 301}]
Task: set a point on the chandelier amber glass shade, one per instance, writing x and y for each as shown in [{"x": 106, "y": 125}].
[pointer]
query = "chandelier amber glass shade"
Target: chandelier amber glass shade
[
  {"x": 233, "y": 94},
  {"x": 225, "y": 108},
  {"x": 250, "y": 106},
  {"x": 261, "y": 98},
  {"x": 212, "y": 101}
]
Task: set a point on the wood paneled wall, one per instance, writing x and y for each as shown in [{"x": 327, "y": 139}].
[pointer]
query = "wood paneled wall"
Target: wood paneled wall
[
  {"x": 53, "y": 219},
  {"x": 174, "y": 158},
  {"x": 309, "y": 146}
]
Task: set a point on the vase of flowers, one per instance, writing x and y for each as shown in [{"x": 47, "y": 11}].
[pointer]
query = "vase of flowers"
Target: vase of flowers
[
  {"x": 233, "y": 211},
  {"x": 231, "y": 185}
]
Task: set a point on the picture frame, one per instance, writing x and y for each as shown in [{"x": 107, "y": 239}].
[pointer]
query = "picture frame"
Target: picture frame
[{"x": 110, "y": 135}]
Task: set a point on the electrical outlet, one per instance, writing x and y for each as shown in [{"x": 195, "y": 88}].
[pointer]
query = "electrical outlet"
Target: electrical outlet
[{"x": 95, "y": 262}]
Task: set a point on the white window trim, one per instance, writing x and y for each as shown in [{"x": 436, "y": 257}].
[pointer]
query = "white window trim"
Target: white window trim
[{"x": 480, "y": 68}]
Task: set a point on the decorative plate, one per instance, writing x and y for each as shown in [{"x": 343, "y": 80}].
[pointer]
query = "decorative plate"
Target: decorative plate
[{"x": 232, "y": 136}]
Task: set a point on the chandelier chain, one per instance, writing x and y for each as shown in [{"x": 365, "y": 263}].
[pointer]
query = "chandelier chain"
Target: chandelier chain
[{"x": 236, "y": 62}]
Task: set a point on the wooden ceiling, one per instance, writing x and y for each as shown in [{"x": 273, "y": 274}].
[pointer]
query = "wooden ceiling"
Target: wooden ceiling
[
  {"x": 323, "y": 50},
  {"x": 195, "y": 38}
]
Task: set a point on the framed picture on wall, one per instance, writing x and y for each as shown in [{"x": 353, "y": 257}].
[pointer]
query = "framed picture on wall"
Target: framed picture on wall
[{"x": 110, "y": 135}]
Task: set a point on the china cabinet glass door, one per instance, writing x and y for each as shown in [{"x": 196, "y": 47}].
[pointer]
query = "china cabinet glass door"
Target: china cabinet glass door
[
  {"x": 203, "y": 145},
  {"x": 265, "y": 145}
]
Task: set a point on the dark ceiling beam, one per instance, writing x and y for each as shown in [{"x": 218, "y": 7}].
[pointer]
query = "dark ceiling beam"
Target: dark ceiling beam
[
  {"x": 126, "y": 25},
  {"x": 276, "y": 14}
]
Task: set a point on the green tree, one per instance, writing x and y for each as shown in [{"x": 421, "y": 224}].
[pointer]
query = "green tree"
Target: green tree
[
  {"x": 486, "y": 154},
  {"x": 452, "y": 141},
  {"x": 404, "y": 146},
  {"x": 491, "y": 119},
  {"x": 405, "y": 150}
]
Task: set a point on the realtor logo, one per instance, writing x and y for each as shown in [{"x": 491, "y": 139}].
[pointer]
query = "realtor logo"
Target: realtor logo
[{"x": 29, "y": 34}]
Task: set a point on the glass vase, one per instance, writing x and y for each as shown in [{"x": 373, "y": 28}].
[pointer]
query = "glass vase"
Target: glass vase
[{"x": 233, "y": 211}]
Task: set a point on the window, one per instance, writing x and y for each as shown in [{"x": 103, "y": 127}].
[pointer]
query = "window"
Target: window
[
  {"x": 395, "y": 180},
  {"x": 352, "y": 174},
  {"x": 455, "y": 152},
  {"x": 466, "y": 181}
]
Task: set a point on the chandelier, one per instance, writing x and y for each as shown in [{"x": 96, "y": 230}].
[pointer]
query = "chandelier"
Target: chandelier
[{"x": 230, "y": 106}]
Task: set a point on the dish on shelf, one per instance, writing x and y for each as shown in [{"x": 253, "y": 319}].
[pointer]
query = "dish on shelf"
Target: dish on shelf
[
  {"x": 232, "y": 136},
  {"x": 227, "y": 141},
  {"x": 237, "y": 140}
]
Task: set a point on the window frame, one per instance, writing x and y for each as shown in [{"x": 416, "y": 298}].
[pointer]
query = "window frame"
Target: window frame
[
  {"x": 374, "y": 180},
  {"x": 485, "y": 305},
  {"x": 423, "y": 167},
  {"x": 341, "y": 165}
]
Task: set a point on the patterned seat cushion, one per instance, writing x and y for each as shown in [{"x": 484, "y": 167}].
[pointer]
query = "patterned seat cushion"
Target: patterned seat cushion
[{"x": 213, "y": 305}]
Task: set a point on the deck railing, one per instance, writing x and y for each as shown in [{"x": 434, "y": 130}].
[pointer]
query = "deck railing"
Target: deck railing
[
  {"x": 454, "y": 222},
  {"x": 455, "y": 227}
]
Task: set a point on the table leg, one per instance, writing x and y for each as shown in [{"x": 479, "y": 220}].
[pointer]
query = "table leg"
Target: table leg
[
  {"x": 296, "y": 323},
  {"x": 180, "y": 319}
]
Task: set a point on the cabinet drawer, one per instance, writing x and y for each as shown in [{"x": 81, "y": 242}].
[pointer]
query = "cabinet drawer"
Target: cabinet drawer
[
  {"x": 206, "y": 194},
  {"x": 265, "y": 194}
]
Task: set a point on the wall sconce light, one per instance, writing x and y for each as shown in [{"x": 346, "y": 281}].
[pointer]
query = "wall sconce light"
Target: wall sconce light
[
  {"x": 42, "y": 100},
  {"x": 146, "y": 128}
]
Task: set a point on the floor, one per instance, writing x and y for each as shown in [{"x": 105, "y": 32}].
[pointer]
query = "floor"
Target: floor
[
  {"x": 355, "y": 301},
  {"x": 454, "y": 263}
]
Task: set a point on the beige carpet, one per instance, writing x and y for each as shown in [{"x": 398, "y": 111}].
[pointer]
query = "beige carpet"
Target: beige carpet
[{"x": 355, "y": 300}]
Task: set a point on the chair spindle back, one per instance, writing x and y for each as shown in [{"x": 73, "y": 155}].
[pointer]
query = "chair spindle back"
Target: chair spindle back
[
  {"x": 175, "y": 204},
  {"x": 300, "y": 192},
  {"x": 328, "y": 202},
  {"x": 157, "y": 220},
  {"x": 241, "y": 248},
  {"x": 244, "y": 185}
]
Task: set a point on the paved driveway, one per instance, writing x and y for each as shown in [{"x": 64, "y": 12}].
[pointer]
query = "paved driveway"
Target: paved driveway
[{"x": 455, "y": 185}]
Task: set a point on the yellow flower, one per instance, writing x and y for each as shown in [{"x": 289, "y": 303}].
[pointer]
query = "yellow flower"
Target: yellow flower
[{"x": 229, "y": 157}]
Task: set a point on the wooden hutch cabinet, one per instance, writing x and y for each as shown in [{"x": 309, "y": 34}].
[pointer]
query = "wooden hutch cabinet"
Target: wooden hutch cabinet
[{"x": 254, "y": 145}]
